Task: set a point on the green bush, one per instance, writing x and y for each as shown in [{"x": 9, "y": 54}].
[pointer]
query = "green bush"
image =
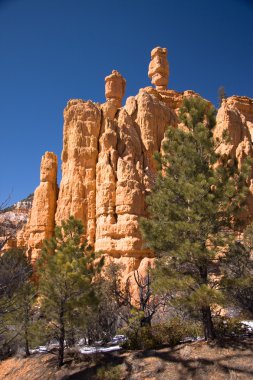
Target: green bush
[
  {"x": 172, "y": 332},
  {"x": 138, "y": 337},
  {"x": 175, "y": 330},
  {"x": 109, "y": 372},
  {"x": 142, "y": 339},
  {"x": 225, "y": 326}
]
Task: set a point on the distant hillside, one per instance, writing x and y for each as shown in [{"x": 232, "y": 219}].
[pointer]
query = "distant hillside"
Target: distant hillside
[
  {"x": 13, "y": 217},
  {"x": 24, "y": 204}
]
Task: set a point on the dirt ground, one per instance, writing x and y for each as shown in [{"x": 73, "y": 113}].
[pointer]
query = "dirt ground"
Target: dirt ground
[{"x": 230, "y": 360}]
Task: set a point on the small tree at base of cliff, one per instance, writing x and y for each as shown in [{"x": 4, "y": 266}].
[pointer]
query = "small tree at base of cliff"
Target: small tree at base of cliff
[
  {"x": 66, "y": 269},
  {"x": 237, "y": 273},
  {"x": 191, "y": 210},
  {"x": 17, "y": 296}
]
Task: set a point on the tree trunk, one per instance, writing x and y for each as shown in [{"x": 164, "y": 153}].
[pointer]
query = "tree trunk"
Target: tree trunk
[
  {"x": 72, "y": 340},
  {"x": 207, "y": 321},
  {"x": 61, "y": 339},
  {"x": 146, "y": 321},
  {"x": 209, "y": 332},
  {"x": 27, "y": 351}
]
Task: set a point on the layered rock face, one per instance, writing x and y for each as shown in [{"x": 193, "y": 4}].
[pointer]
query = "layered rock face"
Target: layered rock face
[{"x": 108, "y": 166}]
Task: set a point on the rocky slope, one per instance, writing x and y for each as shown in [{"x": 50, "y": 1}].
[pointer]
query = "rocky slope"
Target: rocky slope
[
  {"x": 230, "y": 360},
  {"x": 108, "y": 166}
]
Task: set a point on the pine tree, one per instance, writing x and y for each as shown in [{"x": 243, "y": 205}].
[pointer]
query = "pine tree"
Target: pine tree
[
  {"x": 237, "y": 272},
  {"x": 21, "y": 320},
  {"x": 193, "y": 204},
  {"x": 65, "y": 269},
  {"x": 17, "y": 295}
]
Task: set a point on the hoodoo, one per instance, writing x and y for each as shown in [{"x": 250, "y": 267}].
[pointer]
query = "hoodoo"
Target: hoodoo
[
  {"x": 108, "y": 166},
  {"x": 42, "y": 217}
]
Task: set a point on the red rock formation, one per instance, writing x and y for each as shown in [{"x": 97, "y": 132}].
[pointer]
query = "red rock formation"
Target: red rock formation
[
  {"x": 158, "y": 70},
  {"x": 234, "y": 131},
  {"x": 77, "y": 194},
  {"x": 115, "y": 88},
  {"x": 108, "y": 166},
  {"x": 41, "y": 223}
]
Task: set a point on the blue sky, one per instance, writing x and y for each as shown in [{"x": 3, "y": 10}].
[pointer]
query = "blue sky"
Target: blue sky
[{"x": 54, "y": 50}]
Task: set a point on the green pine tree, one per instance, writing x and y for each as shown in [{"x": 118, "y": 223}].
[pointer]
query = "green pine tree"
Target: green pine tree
[
  {"x": 66, "y": 270},
  {"x": 191, "y": 210},
  {"x": 22, "y": 319},
  {"x": 17, "y": 296},
  {"x": 237, "y": 272}
]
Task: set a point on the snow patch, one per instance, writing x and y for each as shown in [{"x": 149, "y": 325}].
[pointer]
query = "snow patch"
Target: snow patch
[
  {"x": 248, "y": 324},
  {"x": 93, "y": 350}
]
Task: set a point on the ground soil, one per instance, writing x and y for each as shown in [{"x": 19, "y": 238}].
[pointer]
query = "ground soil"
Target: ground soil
[{"x": 231, "y": 359}]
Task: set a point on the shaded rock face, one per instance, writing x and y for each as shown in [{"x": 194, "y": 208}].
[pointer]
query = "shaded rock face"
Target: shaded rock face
[
  {"x": 235, "y": 122},
  {"x": 108, "y": 166}
]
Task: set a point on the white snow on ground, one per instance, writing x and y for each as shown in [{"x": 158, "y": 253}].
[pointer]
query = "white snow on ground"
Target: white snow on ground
[
  {"x": 39, "y": 349},
  {"x": 13, "y": 216},
  {"x": 93, "y": 350},
  {"x": 82, "y": 349},
  {"x": 85, "y": 349},
  {"x": 191, "y": 339},
  {"x": 118, "y": 339},
  {"x": 46, "y": 348},
  {"x": 248, "y": 324}
]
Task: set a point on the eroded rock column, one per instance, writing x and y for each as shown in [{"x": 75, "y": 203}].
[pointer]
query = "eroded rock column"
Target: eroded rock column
[
  {"x": 158, "y": 70},
  {"x": 77, "y": 196},
  {"x": 41, "y": 223},
  {"x": 126, "y": 171}
]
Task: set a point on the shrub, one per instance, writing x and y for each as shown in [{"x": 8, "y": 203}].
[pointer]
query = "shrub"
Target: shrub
[
  {"x": 142, "y": 339},
  {"x": 225, "y": 326},
  {"x": 175, "y": 330},
  {"x": 172, "y": 333},
  {"x": 109, "y": 372}
]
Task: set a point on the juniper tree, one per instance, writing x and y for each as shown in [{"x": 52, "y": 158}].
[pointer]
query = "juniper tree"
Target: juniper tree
[
  {"x": 193, "y": 204},
  {"x": 65, "y": 269}
]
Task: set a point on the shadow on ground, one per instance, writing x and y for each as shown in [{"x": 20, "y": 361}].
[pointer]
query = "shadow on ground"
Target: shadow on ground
[{"x": 225, "y": 359}]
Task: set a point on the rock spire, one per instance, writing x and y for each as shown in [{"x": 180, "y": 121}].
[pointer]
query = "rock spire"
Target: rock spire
[
  {"x": 115, "y": 86},
  {"x": 158, "y": 70},
  {"x": 42, "y": 218}
]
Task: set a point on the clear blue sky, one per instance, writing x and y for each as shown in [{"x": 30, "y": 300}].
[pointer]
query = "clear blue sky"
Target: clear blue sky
[{"x": 54, "y": 50}]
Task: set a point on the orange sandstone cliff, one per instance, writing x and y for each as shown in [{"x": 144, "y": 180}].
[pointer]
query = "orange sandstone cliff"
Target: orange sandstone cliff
[{"x": 108, "y": 166}]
